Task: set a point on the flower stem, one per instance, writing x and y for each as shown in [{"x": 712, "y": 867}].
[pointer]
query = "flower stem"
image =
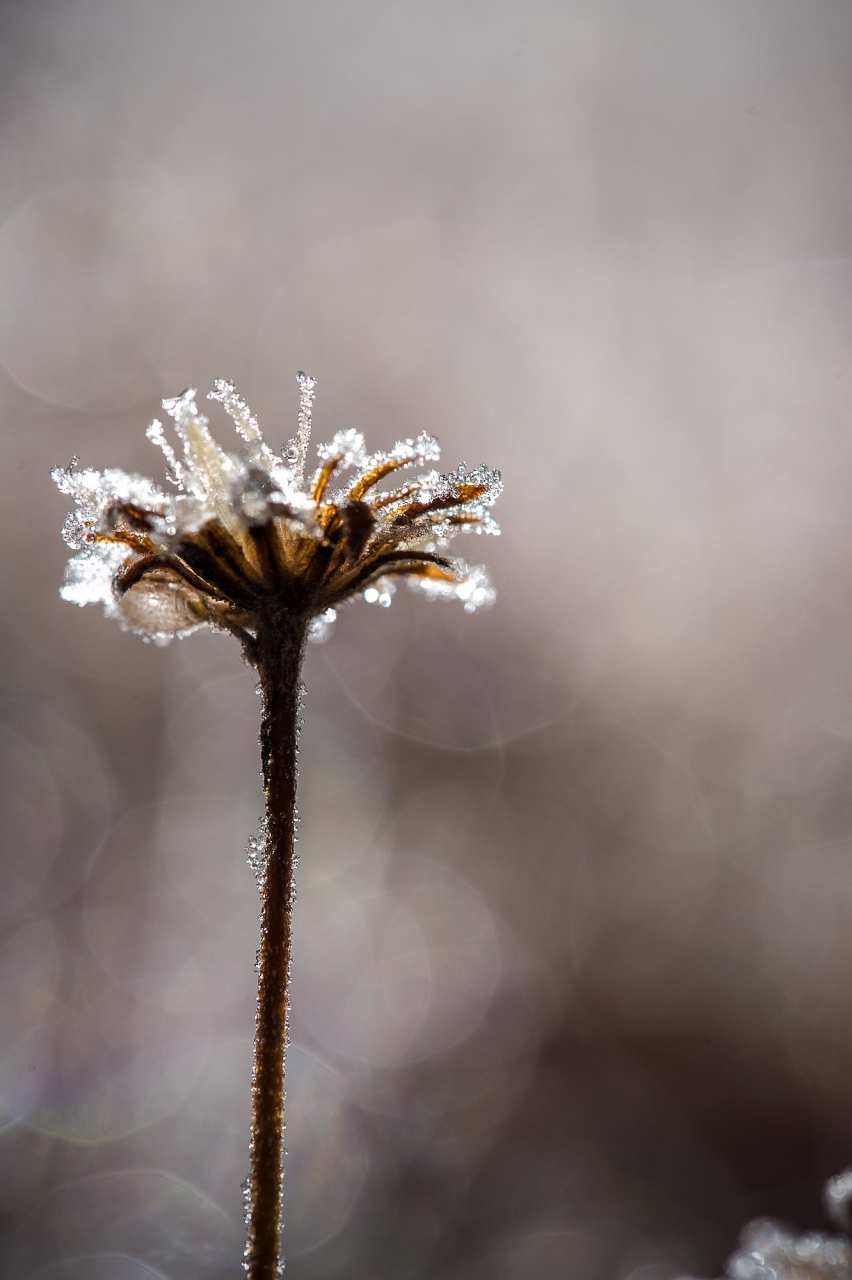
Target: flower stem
[{"x": 278, "y": 654}]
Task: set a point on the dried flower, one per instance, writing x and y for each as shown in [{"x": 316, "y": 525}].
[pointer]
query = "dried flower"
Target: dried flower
[
  {"x": 246, "y": 544},
  {"x": 246, "y": 532}
]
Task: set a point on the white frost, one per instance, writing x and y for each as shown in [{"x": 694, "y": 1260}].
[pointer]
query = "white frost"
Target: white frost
[{"x": 251, "y": 486}]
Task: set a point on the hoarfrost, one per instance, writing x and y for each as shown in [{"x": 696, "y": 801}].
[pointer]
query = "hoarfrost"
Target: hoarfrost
[
  {"x": 473, "y": 587},
  {"x": 296, "y": 451},
  {"x": 257, "y": 851},
  {"x": 348, "y": 447},
  {"x": 123, "y": 519},
  {"x": 89, "y": 577}
]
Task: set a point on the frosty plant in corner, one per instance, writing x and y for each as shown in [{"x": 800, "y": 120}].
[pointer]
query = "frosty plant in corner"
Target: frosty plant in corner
[
  {"x": 769, "y": 1251},
  {"x": 247, "y": 542}
]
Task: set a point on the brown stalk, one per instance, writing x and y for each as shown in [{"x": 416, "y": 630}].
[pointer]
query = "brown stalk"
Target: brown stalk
[{"x": 279, "y": 650}]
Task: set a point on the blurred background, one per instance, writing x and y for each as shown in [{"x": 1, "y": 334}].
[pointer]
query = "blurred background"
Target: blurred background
[{"x": 571, "y": 988}]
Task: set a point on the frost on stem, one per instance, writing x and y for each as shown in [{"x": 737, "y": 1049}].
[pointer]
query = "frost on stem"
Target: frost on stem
[
  {"x": 240, "y": 532},
  {"x": 257, "y": 851}
]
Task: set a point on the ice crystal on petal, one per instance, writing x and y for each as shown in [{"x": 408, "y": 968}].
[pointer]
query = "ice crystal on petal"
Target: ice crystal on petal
[
  {"x": 157, "y": 436},
  {"x": 296, "y": 450},
  {"x": 410, "y": 453},
  {"x": 245, "y": 422},
  {"x": 244, "y": 533},
  {"x": 89, "y": 577},
  {"x": 348, "y": 447},
  {"x": 473, "y": 587}
]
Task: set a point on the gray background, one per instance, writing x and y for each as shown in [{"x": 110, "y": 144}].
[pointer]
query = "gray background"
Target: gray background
[{"x": 571, "y": 985}]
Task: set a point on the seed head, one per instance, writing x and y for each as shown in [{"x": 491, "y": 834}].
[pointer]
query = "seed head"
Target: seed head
[{"x": 242, "y": 535}]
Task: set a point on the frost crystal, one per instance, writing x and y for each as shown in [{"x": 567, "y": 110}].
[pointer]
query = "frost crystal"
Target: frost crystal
[
  {"x": 257, "y": 851},
  {"x": 473, "y": 587},
  {"x": 240, "y": 535}
]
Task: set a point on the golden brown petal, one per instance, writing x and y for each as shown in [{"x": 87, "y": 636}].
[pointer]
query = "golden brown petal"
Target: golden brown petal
[
  {"x": 370, "y": 478},
  {"x": 464, "y": 492},
  {"x": 419, "y": 563},
  {"x": 323, "y": 478}
]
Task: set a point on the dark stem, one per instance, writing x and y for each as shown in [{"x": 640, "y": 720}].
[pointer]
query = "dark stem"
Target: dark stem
[{"x": 279, "y": 652}]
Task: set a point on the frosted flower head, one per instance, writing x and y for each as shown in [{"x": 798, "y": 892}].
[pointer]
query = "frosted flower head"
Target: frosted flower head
[{"x": 242, "y": 535}]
